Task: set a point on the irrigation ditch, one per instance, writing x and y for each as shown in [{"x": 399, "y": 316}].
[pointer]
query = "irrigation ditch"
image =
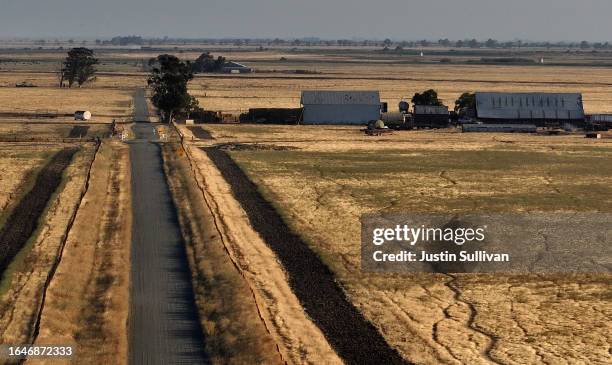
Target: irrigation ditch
[
  {"x": 352, "y": 336},
  {"x": 23, "y": 220}
]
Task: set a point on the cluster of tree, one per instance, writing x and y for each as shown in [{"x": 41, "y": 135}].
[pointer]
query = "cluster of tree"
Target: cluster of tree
[
  {"x": 124, "y": 40},
  {"x": 314, "y": 41},
  {"x": 168, "y": 80},
  {"x": 427, "y": 97},
  {"x": 465, "y": 101},
  {"x": 430, "y": 97},
  {"x": 493, "y": 44},
  {"x": 208, "y": 63},
  {"x": 79, "y": 67}
]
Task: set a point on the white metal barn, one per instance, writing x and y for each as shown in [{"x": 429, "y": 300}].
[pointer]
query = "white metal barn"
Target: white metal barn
[{"x": 340, "y": 107}]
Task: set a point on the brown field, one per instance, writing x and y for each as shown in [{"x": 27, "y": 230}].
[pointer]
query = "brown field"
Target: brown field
[
  {"x": 238, "y": 93},
  {"x": 104, "y": 104},
  {"x": 321, "y": 185},
  {"x": 35, "y": 131},
  {"x": 89, "y": 308},
  {"x": 19, "y": 163},
  {"x": 25, "y": 278},
  {"x": 93, "y": 317},
  {"x": 322, "y": 188},
  {"x": 228, "y": 310}
]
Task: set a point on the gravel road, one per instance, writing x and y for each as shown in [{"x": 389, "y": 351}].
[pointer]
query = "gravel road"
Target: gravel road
[{"x": 163, "y": 323}]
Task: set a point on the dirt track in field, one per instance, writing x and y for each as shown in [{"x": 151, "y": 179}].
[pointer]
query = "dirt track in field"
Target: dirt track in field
[
  {"x": 23, "y": 221},
  {"x": 354, "y": 338}
]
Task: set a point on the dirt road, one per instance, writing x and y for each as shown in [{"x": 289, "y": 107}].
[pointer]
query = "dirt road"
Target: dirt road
[{"x": 163, "y": 320}]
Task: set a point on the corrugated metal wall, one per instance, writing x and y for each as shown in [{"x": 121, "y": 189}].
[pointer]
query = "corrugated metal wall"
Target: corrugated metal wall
[
  {"x": 526, "y": 106},
  {"x": 340, "y": 114}
]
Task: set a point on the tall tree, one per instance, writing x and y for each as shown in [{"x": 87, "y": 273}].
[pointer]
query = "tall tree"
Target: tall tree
[
  {"x": 79, "y": 66},
  {"x": 466, "y": 100},
  {"x": 427, "y": 97},
  {"x": 169, "y": 79},
  {"x": 208, "y": 63}
]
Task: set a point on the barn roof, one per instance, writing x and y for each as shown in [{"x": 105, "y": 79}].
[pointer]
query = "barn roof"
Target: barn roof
[
  {"x": 529, "y": 105},
  {"x": 340, "y": 97},
  {"x": 233, "y": 64}
]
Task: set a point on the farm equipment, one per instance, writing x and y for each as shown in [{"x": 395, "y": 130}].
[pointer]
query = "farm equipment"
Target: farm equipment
[{"x": 377, "y": 128}]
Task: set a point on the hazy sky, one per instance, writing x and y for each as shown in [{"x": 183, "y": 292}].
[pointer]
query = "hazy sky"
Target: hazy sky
[{"x": 554, "y": 20}]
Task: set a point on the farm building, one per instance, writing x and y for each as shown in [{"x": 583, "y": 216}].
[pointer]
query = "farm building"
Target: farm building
[
  {"x": 506, "y": 128},
  {"x": 429, "y": 116},
  {"x": 235, "y": 67},
  {"x": 340, "y": 107},
  {"x": 540, "y": 109},
  {"x": 604, "y": 120}
]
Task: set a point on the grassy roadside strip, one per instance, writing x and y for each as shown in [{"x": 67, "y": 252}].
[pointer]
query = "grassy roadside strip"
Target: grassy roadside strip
[
  {"x": 235, "y": 333},
  {"x": 88, "y": 307}
]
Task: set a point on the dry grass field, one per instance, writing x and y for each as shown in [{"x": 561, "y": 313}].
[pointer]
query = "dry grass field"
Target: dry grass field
[
  {"x": 14, "y": 129},
  {"x": 329, "y": 176},
  {"x": 228, "y": 311},
  {"x": 25, "y": 278},
  {"x": 108, "y": 97},
  {"x": 238, "y": 93},
  {"x": 104, "y": 104},
  {"x": 19, "y": 163},
  {"x": 321, "y": 180},
  {"x": 88, "y": 308},
  {"x": 92, "y": 317}
]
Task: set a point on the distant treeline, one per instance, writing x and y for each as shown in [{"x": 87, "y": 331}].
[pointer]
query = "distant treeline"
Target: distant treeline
[{"x": 311, "y": 41}]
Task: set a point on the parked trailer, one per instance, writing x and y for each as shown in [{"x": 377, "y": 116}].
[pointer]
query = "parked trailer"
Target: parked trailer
[
  {"x": 600, "y": 118},
  {"x": 504, "y": 128},
  {"x": 428, "y": 116},
  {"x": 82, "y": 115},
  {"x": 599, "y": 122}
]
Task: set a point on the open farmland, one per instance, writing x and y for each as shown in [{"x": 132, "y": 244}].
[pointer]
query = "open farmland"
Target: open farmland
[
  {"x": 57, "y": 191},
  {"x": 321, "y": 189},
  {"x": 40, "y": 131},
  {"x": 395, "y": 81},
  {"x": 318, "y": 181},
  {"x": 108, "y": 97},
  {"x": 19, "y": 163},
  {"x": 105, "y": 104}
]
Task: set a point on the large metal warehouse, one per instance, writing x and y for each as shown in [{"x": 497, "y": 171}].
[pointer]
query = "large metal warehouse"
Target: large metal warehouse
[
  {"x": 540, "y": 109},
  {"x": 340, "y": 107}
]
